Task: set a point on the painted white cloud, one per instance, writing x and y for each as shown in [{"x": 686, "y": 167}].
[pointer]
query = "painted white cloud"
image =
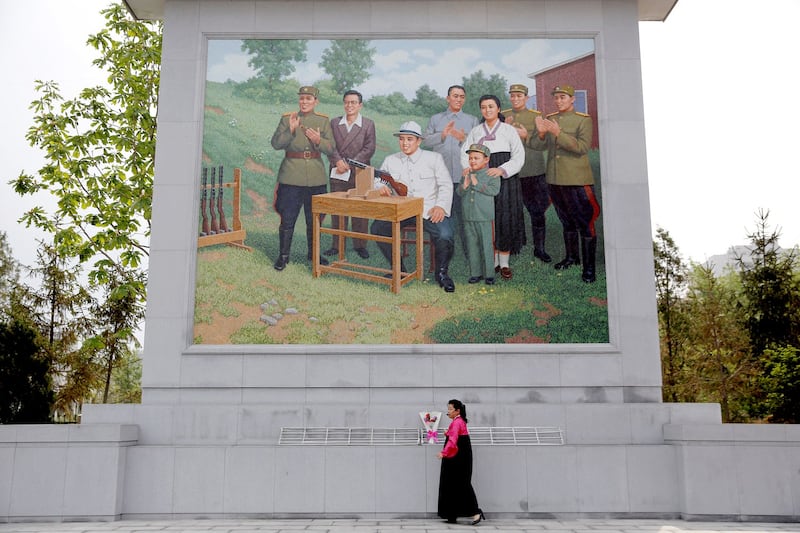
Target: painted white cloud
[
  {"x": 404, "y": 72},
  {"x": 424, "y": 53},
  {"x": 309, "y": 73},
  {"x": 232, "y": 67},
  {"x": 392, "y": 60},
  {"x": 531, "y": 56}
]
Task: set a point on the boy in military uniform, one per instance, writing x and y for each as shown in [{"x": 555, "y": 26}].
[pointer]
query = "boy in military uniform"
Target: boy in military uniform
[
  {"x": 305, "y": 136},
  {"x": 535, "y": 196},
  {"x": 567, "y": 137},
  {"x": 477, "y": 194}
]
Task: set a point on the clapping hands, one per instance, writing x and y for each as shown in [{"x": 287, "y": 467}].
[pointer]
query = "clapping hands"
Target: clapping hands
[
  {"x": 545, "y": 125},
  {"x": 312, "y": 134},
  {"x": 451, "y": 130}
]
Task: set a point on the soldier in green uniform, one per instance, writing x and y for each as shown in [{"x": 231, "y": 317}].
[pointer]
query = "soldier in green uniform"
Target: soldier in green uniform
[
  {"x": 535, "y": 195},
  {"x": 567, "y": 137},
  {"x": 305, "y": 136}
]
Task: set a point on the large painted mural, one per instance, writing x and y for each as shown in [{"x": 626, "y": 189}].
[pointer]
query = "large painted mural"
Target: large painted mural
[{"x": 241, "y": 299}]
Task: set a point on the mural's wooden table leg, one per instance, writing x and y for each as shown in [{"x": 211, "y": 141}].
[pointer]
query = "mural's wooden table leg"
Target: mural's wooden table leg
[{"x": 393, "y": 209}]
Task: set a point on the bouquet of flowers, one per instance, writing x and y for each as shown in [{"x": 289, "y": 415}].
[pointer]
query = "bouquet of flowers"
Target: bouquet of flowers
[{"x": 430, "y": 421}]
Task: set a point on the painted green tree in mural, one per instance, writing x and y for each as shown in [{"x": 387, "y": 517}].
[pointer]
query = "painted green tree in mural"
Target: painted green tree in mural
[
  {"x": 347, "y": 62},
  {"x": 274, "y": 59},
  {"x": 477, "y": 84}
]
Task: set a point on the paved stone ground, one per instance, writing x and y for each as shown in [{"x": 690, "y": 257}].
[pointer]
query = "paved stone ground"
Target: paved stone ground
[{"x": 318, "y": 525}]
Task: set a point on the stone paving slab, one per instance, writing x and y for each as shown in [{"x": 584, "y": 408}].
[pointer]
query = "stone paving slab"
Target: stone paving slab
[{"x": 398, "y": 526}]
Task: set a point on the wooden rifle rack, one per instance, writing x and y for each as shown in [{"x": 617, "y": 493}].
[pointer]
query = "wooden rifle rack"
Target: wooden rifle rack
[{"x": 236, "y": 235}]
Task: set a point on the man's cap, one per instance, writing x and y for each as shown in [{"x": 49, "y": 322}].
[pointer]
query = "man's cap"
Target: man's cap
[
  {"x": 566, "y": 89},
  {"x": 479, "y": 148},
  {"x": 308, "y": 89},
  {"x": 409, "y": 128},
  {"x": 518, "y": 88}
]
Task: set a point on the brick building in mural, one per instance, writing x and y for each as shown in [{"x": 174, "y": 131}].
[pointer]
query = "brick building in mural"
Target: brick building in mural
[{"x": 578, "y": 72}]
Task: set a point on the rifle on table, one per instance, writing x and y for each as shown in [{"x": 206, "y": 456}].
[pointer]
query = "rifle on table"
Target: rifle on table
[
  {"x": 223, "y": 224},
  {"x": 203, "y": 204},
  {"x": 385, "y": 177}
]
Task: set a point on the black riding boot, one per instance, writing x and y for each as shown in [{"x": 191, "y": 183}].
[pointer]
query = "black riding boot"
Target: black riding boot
[
  {"x": 444, "y": 252},
  {"x": 538, "y": 244},
  {"x": 310, "y": 240},
  {"x": 588, "y": 254},
  {"x": 571, "y": 249},
  {"x": 285, "y": 246}
]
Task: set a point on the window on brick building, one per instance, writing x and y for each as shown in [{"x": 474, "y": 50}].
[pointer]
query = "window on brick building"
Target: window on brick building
[{"x": 581, "y": 101}]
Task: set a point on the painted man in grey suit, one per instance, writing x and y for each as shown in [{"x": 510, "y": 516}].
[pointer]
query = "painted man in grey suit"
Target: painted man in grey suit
[{"x": 444, "y": 134}]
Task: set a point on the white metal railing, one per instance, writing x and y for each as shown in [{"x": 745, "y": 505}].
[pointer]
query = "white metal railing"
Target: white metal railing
[
  {"x": 323, "y": 436},
  {"x": 516, "y": 436},
  {"x": 480, "y": 436}
]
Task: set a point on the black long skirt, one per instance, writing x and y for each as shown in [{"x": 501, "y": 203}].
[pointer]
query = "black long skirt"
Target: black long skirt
[
  {"x": 509, "y": 217},
  {"x": 456, "y": 496}
]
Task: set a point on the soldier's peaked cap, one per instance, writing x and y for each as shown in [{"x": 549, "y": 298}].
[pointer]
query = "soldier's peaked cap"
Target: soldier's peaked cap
[
  {"x": 308, "y": 89},
  {"x": 479, "y": 148},
  {"x": 566, "y": 89}
]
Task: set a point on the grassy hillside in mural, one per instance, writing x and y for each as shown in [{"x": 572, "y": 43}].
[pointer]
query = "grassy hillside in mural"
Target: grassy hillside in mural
[{"x": 238, "y": 292}]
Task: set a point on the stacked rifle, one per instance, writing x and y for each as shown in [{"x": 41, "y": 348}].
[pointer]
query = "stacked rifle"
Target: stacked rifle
[{"x": 211, "y": 210}]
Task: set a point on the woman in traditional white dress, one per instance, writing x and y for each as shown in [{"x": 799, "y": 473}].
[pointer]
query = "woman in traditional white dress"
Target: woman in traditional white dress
[{"x": 506, "y": 160}]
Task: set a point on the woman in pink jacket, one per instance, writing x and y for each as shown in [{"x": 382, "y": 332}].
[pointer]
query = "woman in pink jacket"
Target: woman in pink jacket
[{"x": 456, "y": 496}]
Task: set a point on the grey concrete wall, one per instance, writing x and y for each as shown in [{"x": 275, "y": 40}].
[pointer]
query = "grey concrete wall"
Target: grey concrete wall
[
  {"x": 399, "y": 480},
  {"x": 100, "y": 472},
  {"x": 260, "y": 423},
  {"x": 747, "y": 471},
  {"x": 59, "y": 472}
]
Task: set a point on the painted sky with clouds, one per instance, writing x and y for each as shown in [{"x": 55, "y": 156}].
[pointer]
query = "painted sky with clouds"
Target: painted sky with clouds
[{"x": 405, "y": 65}]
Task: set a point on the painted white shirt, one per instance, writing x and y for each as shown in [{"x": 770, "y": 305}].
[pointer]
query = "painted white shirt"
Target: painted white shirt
[
  {"x": 349, "y": 125},
  {"x": 425, "y": 175}
]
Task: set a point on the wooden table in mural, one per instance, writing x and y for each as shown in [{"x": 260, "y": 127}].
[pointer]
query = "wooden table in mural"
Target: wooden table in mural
[{"x": 390, "y": 208}]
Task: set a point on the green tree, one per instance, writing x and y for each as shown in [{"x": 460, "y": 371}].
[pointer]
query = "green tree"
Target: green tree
[
  {"x": 114, "y": 322},
  {"x": 347, "y": 62},
  {"x": 428, "y": 101},
  {"x": 477, "y": 85},
  {"x": 718, "y": 355},
  {"x": 126, "y": 380},
  {"x": 771, "y": 307},
  {"x": 57, "y": 307},
  {"x": 100, "y": 151},
  {"x": 9, "y": 272},
  {"x": 770, "y": 289},
  {"x": 273, "y": 59},
  {"x": 781, "y": 382},
  {"x": 671, "y": 277},
  {"x": 25, "y": 390}
]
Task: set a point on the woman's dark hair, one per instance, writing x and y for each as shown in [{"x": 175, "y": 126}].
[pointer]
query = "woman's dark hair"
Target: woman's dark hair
[
  {"x": 461, "y": 407},
  {"x": 501, "y": 117}
]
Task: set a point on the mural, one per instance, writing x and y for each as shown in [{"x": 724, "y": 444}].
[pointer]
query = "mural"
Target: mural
[{"x": 241, "y": 297}]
